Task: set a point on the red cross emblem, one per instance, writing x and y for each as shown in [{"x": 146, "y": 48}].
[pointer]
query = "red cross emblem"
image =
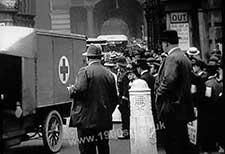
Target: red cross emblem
[{"x": 64, "y": 70}]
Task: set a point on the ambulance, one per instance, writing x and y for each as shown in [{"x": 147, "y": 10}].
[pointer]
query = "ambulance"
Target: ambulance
[{"x": 36, "y": 67}]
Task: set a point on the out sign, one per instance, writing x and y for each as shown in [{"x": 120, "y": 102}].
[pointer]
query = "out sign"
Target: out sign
[{"x": 179, "y": 17}]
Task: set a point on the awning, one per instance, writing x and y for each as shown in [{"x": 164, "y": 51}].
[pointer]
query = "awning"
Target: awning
[
  {"x": 113, "y": 38},
  {"x": 17, "y": 41}
]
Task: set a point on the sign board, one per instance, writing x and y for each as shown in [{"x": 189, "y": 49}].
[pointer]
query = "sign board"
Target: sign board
[
  {"x": 183, "y": 32},
  {"x": 179, "y": 17}
]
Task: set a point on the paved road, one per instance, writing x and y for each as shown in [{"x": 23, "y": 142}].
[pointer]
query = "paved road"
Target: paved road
[{"x": 69, "y": 147}]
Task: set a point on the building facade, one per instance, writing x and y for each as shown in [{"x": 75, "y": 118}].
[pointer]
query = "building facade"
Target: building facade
[
  {"x": 95, "y": 17},
  {"x": 17, "y": 12},
  {"x": 199, "y": 23}
]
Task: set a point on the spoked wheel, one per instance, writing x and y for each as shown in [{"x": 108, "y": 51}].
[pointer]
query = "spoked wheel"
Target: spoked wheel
[{"x": 53, "y": 131}]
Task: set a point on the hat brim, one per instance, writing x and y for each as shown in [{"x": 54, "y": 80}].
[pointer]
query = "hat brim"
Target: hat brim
[
  {"x": 123, "y": 65},
  {"x": 92, "y": 55},
  {"x": 169, "y": 39},
  {"x": 109, "y": 65},
  {"x": 193, "y": 54}
]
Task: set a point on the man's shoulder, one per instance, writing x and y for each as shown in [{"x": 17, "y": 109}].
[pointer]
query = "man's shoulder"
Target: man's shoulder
[
  {"x": 93, "y": 67},
  {"x": 178, "y": 54},
  {"x": 99, "y": 68},
  {"x": 82, "y": 69}
]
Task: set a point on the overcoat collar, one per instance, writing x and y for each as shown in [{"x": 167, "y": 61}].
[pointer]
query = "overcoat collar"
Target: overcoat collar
[
  {"x": 94, "y": 62},
  {"x": 172, "y": 50}
]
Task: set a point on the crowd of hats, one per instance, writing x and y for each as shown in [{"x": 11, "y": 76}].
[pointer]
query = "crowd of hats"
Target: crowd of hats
[
  {"x": 136, "y": 54},
  {"x": 213, "y": 62}
]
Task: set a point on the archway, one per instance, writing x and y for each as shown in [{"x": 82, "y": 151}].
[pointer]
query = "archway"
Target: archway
[
  {"x": 114, "y": 26},
  {"x": 126, "y": 15}
]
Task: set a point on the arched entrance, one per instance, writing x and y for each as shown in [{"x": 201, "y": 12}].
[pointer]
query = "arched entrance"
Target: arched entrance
[
  {"x": 119, "y": 17},
  {"x": 114, "y": 26}
]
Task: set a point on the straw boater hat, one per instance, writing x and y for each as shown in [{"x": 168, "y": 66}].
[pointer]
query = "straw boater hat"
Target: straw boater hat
[
  {"x": 93, "y": 51},
  {"x": 193, "y": 51}
]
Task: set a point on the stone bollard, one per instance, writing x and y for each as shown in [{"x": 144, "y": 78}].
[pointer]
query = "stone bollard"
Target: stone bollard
[{"x": 142, "y": 128}]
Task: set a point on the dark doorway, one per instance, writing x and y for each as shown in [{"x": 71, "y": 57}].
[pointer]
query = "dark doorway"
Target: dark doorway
[{"x": 10, "y": 81}]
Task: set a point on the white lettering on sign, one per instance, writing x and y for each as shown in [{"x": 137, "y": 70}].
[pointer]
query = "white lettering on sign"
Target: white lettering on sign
[
  {"x": 179, "y": 17},
  {"x": 139, "y": 102},
  {"x": 64, "y": 69},
  {"x": 183, "y": 32}
]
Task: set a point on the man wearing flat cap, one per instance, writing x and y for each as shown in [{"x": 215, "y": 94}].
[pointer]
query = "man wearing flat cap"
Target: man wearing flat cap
[
  {"x": 173, "y": 96},
  {"x": 95, "y": 89}
]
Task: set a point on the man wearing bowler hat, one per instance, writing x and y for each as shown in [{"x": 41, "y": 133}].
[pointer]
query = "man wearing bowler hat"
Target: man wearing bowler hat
[
  {"x": 95, "y": 89},
  {"x": 173, "y": 96},
  {"x": 143, "y": 69}
]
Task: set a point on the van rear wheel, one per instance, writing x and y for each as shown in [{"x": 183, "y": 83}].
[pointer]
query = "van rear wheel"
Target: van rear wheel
[{"x": 53, "y": 131}]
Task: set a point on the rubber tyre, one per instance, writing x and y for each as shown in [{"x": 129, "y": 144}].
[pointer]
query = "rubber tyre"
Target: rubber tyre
[{"x": 53, "y": 131}]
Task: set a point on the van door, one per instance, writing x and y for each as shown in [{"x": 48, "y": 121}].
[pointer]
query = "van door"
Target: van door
[{"x": 10, "y": 93}]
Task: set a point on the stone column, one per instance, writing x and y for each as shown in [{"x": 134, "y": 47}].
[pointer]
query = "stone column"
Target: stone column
[
  {"x": 142, "y": 126},
  {"x": 90, "y": 21},
  {"x": 204, "y": 41}
]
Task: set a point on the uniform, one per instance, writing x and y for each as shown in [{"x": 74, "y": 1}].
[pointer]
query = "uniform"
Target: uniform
[
  {"x": 124, "y": 104},
  {"x": 209, "y": 114}
]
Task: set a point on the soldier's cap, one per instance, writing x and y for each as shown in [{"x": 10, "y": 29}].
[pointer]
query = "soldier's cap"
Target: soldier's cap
[
  {"x": 193, "y": 51},
  {"x": 213, "y": 63},
  {"x": 93, "y": 51}
]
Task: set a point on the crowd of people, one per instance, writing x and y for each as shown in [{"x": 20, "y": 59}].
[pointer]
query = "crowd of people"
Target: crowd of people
[{"x": 180, "y": 81}]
